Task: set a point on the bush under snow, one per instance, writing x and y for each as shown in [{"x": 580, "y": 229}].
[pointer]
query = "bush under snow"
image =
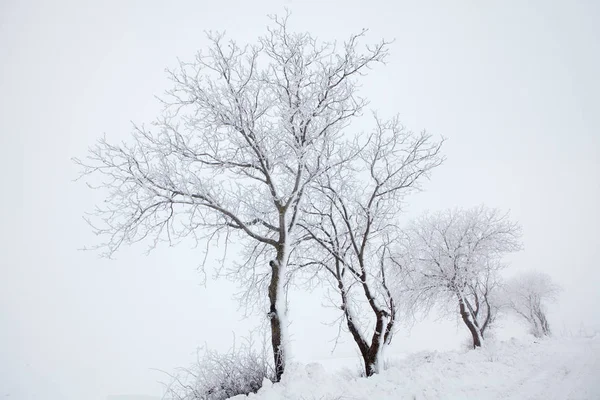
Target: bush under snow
[{"x": 219, "y": 376}]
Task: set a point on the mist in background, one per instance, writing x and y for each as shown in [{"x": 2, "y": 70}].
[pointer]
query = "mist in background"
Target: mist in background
[{"x": 513, "y": 86}]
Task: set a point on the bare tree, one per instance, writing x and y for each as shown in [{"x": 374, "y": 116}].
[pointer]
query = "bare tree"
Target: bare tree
[
  {"x": 244, "y": 131},
  {"x": 349, "y": 221},
  {"x": 454, "y": 257},
  {"x": 527, "y": 295}
]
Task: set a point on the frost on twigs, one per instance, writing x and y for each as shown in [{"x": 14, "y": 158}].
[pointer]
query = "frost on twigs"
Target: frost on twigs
[
  {"x": 219, "y": 376},
  {"x": 528, "y": 295},
  {"x": 246, "y": 129},
  {"x": 454, "y": 260},
  {"x": 349, "y": 222}
]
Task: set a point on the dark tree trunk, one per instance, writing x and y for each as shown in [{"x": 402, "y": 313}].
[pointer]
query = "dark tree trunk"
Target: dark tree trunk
[
  {"x": 275, "y": 320},
  {"x": 383, "y": 328},
  {"x": 369, "y": 353},
  {"x": 467, "y": 319},
  {"x": 376, "y": 342},
  {"x": 369, "y": 360},
  {"x": 358, "y": 339}
]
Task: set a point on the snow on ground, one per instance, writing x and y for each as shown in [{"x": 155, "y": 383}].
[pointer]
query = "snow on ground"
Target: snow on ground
[{"x": 523, "y": 369}]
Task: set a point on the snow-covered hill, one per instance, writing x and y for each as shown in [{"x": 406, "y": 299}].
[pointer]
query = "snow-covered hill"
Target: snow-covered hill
[{"x": 560, "y": 369}]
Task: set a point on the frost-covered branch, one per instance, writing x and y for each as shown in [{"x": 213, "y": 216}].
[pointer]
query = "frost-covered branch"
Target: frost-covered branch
[
  {"x": 528, "y": 295},
  {"x": 350, "y": 220},
  {"x": 454, "y": 258},
  {"x": 246, "y": 129}
]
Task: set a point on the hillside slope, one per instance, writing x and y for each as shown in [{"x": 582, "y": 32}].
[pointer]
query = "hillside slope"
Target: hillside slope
[{"x": 561, "y": 369}]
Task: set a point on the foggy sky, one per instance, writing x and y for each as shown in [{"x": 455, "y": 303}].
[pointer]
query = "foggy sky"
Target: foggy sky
[{"x": 513, "y": 87}]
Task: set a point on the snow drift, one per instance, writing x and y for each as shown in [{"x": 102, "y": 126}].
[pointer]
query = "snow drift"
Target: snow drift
[{"x": 522, "y": 369}]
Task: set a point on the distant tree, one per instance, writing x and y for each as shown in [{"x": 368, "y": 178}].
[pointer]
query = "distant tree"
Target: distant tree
[
  {"x": 454, "y": 257},
  {"x": 350, "y": 222},
  {"x": 244, "y": 132},
  {"x": 528, "y": 295}
]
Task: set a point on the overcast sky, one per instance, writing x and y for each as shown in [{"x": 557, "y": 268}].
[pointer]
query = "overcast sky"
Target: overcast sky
[{"x": 513, "y": 87}]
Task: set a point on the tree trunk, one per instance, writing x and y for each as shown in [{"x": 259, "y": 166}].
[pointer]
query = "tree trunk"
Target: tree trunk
[
  {"x": 276, "y": 320},
  {"x": 536, "y": 328},
  {"x": 369, "y": 353},
  {"x": 466, "y": 317},
  {"x": 370, "y": 356},
  {"x": 488, "y": 318},
  {"x": 370, "y": 361},
  {"x": 381, "y": 336},
  {"x": 544, "y": 326}
]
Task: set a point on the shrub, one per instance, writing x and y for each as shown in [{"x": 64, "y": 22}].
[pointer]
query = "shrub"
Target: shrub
[{"x": 219, "y": 376}]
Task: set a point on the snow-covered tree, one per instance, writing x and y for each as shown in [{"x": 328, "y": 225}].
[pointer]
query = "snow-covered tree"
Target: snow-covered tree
[
  {"x": 245, "y": 130},
  {"x": 350, "y": 221},
  {"x": 454, "y": 257},
  {"x": 528, "y": 295}
]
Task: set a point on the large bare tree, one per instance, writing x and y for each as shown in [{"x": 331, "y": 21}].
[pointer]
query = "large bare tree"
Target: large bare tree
[
  {"x": 244, "y": 131},
  {"x": 454, "y": 257},
  {"x": 350, "y": 222}
]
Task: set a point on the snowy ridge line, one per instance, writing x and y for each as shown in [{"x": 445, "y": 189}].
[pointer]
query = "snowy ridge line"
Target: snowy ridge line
[{"x": 526, "y": 369}]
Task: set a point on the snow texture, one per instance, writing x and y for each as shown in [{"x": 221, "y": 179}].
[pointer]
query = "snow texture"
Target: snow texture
[{"x": 527, "y": 369}]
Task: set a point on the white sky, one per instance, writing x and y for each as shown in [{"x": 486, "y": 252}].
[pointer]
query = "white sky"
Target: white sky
[{"x": 513, "y": 87}]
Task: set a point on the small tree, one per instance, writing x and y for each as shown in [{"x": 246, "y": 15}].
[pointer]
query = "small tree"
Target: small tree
[
  {"x": 245, "y": 130},
  {"x": 528, "y": 295},
  {"x": 454, "y": 257},
  {"x": 349, "y": 221}
]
